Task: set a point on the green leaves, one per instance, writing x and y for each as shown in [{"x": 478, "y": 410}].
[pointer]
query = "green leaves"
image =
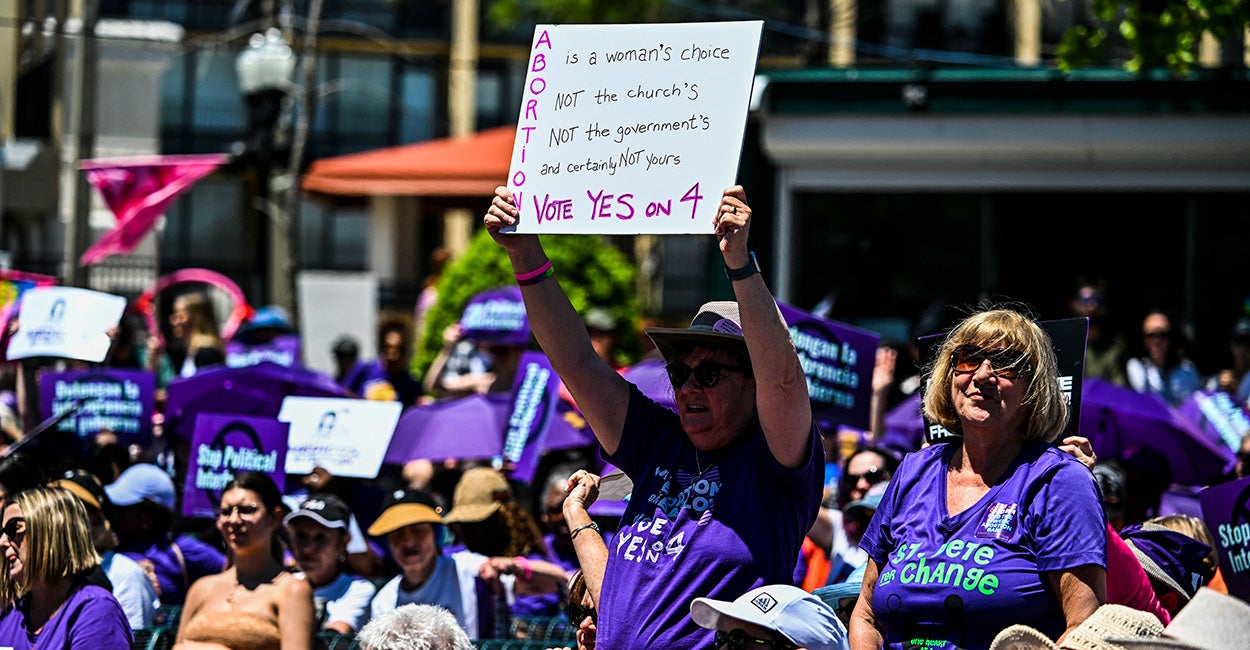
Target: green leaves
[{"x": 1155, "y": 33}]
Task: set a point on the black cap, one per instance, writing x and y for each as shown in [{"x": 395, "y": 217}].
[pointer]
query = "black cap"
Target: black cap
[
  {"x": 86, "y": 487},
  {"x": 325, "y": 509},
  {"x": 345, "y": 346}
]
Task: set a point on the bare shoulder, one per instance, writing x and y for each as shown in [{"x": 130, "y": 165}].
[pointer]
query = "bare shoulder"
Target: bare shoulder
[{"x": 294, "y": 585}]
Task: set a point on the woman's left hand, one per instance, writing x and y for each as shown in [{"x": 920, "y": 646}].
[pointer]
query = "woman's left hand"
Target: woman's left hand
[{"x": 732, "y": 224}]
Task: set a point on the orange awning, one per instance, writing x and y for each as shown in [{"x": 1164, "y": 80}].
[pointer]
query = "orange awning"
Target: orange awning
[{"x": 468, "y": 166}]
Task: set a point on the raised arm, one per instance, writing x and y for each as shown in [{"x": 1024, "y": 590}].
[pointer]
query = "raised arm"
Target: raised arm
[
  {"x": 601, "y": 393},
  {"x": 781, "y": 398}
]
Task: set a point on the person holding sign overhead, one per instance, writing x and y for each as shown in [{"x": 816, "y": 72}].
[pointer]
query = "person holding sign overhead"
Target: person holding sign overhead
[
  {"x": 726, "y": 487},
  {"x": 993, "y": 527}
]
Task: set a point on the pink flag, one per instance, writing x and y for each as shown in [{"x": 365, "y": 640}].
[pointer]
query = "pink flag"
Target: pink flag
[{"x": 138, "y": 190}]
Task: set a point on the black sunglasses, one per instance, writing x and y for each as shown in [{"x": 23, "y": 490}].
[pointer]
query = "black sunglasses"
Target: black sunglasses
[
  {"x": 706, "y": 373},
  {"x": 1004, "y": 362},
  {"x": 244, "y": 510},
  {"x": 11, "y": 530},
  {"x": 739, "y": 640},
  {"x": 873, "y": 476}
]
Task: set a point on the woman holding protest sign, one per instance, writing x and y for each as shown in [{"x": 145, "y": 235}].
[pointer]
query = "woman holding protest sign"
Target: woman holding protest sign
[
  {"x": 257, "y": 602},
  {"x": 996, "y": 527},
  {"x": 725, "y": 487}
]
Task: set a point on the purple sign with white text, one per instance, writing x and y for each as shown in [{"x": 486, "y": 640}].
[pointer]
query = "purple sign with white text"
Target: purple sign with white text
[
  {"x": 117, "y": 400},
  {"x": 225, "y": 445},
  {"x": 283, "y": 350},
  {"x": 534, "y": 396},
  {"x": 838, "y": 361},
  {"x": 497, "y": 316},
  {"x": 1226, "y": 510}
]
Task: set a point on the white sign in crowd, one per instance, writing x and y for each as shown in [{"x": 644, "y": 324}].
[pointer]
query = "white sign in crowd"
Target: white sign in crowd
[{"x": 628, "y": 129}]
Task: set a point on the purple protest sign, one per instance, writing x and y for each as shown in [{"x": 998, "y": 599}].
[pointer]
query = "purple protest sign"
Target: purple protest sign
[
  {"x": 1067, "y": 337},
  {"x": 534, "y": 395},
  {"x": 225, "y": 445},
  {"x": 121, "y": 401},
  {"x": 283, "y": 350},
  {"x": 1219, "y": 416},
  {"x": 838, "y": 361},
  {"x": 1226, "y": 510},
  {"x": 497, "y": 316}
]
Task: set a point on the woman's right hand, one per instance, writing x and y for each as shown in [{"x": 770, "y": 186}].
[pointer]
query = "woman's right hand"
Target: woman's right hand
[
  {"x": 582, "y": 489},
  {"x": 504, "y": 213}
]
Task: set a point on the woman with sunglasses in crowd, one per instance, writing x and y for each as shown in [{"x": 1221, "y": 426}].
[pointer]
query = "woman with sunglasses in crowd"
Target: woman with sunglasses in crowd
[
  {"x": 257, "y": 602},
  {"x": 48, "y": 554},
  {"x": 995, "y": 526},
  {"x": 726, "y": 487}
]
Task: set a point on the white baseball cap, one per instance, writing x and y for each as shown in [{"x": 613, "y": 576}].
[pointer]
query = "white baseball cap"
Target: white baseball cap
[{"x": 801, "y": 617}]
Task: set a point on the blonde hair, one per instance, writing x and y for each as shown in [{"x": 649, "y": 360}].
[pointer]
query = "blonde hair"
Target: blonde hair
[
  {"x": 1047, "y": 409},
  {"x": 1194, "y": 527},
  {"x": 58, "y": 541}
]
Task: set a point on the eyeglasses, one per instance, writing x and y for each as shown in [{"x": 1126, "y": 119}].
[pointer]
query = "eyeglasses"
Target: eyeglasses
[
  {"x": 14, "y": 528},
  {"x": 873, "y": 476},
  {"x": 1004, "y": 362},
  {"x": 738, "y": 640},
  {"x": 244, "y": 510},
  {"x": 706, "y": 373}
]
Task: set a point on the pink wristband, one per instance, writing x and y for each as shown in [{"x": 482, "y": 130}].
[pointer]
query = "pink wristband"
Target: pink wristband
[
  {"x": 530, "y": 275},
  {"x": 524, "y": 564}
]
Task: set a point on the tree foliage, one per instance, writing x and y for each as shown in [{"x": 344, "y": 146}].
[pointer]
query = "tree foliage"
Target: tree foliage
[
  {"x": 505, "y": 13},
  {"x": 592, "y": 273},
  {"x": 1158, "y": 33}
]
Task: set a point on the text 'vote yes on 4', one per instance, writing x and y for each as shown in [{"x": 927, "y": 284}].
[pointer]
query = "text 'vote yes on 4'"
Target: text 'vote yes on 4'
[{"x": 605, "y": 205}]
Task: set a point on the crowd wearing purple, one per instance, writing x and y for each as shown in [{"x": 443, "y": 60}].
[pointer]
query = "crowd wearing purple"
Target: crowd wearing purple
[{"x": 741, "y": 522}]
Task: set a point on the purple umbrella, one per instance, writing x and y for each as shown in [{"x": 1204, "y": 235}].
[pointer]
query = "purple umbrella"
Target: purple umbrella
[
  {"x": 252, "y": 390},
  {"x": 1116, "y": 420},
  {"x": 468, "y": 427},
  {"x": 651, "y": 378},
  {"x": 904, "y": 425},
  {"x": 1218, "y": 415}
]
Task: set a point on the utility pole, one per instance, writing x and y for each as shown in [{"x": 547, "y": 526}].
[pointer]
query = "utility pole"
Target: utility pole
[{"x": 76, "y": 97}]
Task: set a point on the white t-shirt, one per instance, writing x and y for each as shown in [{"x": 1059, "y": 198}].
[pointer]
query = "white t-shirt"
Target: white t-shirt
[
  {"x": 346, "y": 600},
  {"x": 131, "y": 588},
  {"x": 451, "y": 585}
]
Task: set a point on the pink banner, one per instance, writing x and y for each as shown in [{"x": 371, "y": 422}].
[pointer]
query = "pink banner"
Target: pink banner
[{"x": 138, "y": 190}]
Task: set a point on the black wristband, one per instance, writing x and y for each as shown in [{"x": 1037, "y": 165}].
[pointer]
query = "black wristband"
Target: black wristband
[{"x": 745, "y": 272}]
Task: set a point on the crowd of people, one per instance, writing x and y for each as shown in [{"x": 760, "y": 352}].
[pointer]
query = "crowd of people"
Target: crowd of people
[{"x": 741, "y": 523}]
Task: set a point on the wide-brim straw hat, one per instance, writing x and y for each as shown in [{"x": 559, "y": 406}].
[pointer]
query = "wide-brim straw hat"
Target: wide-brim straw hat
[
  {"x": 1211, "y": 621},
  {"x": 1095, "y": 633},
  {"x": 718, "y": 324}
]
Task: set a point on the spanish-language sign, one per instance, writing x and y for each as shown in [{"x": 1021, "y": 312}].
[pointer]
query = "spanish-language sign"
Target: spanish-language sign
[
  {"x": 348, "y": 437},
  {"x": 838, "y": 360},
  {"x": 283, "y": 350},
  {"x": 114, "y": 399},
  {"x": 631, "y": 128},
  {"x": 66, "y": 322},
  {"x": 224, "y": 446},
  {"x": 535, "y": 392},
  {"x": 1226, "y": 510},
  {"x": 1067, "y": 336}
]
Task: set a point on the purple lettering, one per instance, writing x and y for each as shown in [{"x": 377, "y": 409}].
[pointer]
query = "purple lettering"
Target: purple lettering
[
  {"x": 518, "y": 179},
  {"x": 692, "y": 195},
  {"x": 535, "y": 82},
  {"x": 624, "y": 200},
  {"x": 656, "y": 209},
  {"x": 545, "y": 38},
  {"x": 539, "y": 64},
  {"x": 531, "y": 109},
  {"x": 528, "y": 130}
]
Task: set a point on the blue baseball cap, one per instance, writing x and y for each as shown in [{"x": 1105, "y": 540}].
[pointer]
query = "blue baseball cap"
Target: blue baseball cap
[{"x": 142, "y": 482}]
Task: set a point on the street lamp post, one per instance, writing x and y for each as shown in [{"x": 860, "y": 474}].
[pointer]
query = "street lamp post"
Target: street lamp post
[{"x": 264, "y": 70}]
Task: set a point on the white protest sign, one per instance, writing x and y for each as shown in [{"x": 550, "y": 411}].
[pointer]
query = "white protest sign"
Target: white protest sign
[
  {"x": 628, "y": 129},
  {"x": 66, "y": 322},
  {"x": 348, "y": 437}
]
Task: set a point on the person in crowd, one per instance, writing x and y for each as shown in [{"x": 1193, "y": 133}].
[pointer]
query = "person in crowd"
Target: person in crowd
[
  {"x": 144, "y": 501},
  {"x": 865, "y": 467},
  {"x": 48, "y": 553},
  {"x": 603, "y": 330},
  {"x": 774, "y": 616},
  {"x": 842, "y": 597},
  {"x": 195, "y": 339},
  {"x": 1240, "y": 470},
  {"x": 1163, "y": 370},
  {"x": 586, "y": 586},
  {"x": 318, "y": 532},
  {"x": 257, "y": 602},
  {"x": 488, "y": 520},
  {"x": 582, "y": 611},
  {"x": 997, "y": 526},
  {"x": 413, "y": 527},
  {"x": 388, "y": 377},
  {"x": 726, "y": 487},
  {"x": 1177, "y": 564},
  {"x": 414, "y": 627},
  {"x": 129, "y": 583},
  {"x": 559, "y": 545},
  {"x": 1106, "y": 352},
  {"x": 1236, "y": 380},
  {"x": 1195, "y": 528},
  {"x": 346, "y": 353},
  {"x": 1111, "y": 485},
  {"x": 461, "y": 367},
  {"x": 18, "y": 472}
]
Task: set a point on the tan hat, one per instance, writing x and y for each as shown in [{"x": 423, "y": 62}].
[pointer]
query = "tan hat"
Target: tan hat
[
  {"x": 717, "y": 324},
  {"x": 478, "y": 495},
  {"x": 1107, "y": 622},
  {"x": 1211, "y": 621},
  {"x": 405, "y": 508}
]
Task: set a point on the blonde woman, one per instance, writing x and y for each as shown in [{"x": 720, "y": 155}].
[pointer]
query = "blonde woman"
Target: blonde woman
[
  {"x": 257, "y": 603},
  {"x": 48, "y": 552}
]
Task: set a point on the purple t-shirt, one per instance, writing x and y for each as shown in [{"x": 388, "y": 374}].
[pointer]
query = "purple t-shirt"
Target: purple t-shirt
[
  {"x": 718, "y": 533},
  {"x": 176, "y": 570},
  {"x": 91, "y": 618},
  {"x": 956, "y": 582}
]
